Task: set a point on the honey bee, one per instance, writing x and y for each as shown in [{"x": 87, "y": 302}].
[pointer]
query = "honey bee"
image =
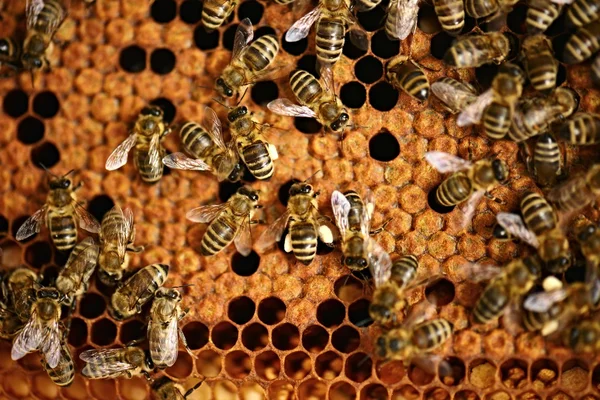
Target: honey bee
[
  {"x": 353, "y": 219},
  {"x": 10, "y": 323},
  {"x": 125, "y": 362},
  {"x": 469, "y": 181},
  {"x": 595, "y": 71},
  {"x": 116, "y": 237},
  {"x": 229, "y": 222},
  {"x": 454, "y": 95},
  {"x": 539, "y": 62},
  {"x": 19, "y": 291},
  {"x": 205, "y": 143},
  {"x": 404, "y": 74},
  {"x": 256, "y": 152},
  {"x": 10, "y": 56},
  {"x": 72, "y": 280},
  {"x": 43, "y": 329},
  {"x": 215, "y": 12},
  {"x": 304, "y": 222},
  {"x": 476, "y": 50},
  {"x": 499, "y": 233},
  {"x": 584, "y": 43},
  {"x": 588, "y": 237},
  {"x": 582, "y": 12},
  {"x": 166, "y": 389},
  {"x": 333, "y": 19},
  {"x": 582, "y": 129},
  {"x": 44, "y": 17},
  {"x": 401, "y": 18},
  {"x": 451, "y": 15},
  {"x": 540, "y": 229},
  {"x": 146, "y": 136},
  {"x": 163, "y": 328},
  {"x": 577, "y": 192},
  {"x": 316, "y": 101},
  {"x": 583, "y": 337},
  {"x": 249, "y": 63},
  {"x": 546, "y": 164},
  {"x": 61, "y": 214},
  {"x": 542, "y": 13},
  {"x": 488, "y": 10},
  {"x": 536, "y": 115},
  {"x": 129, "y": 298},
  {"x": 64, "y": 372}
]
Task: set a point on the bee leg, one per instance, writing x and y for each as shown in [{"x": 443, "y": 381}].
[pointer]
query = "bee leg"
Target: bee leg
[
  {"x": 184, "y": 343},
  {"x": 165, "y": 133},
  {"x": 134, "y": 249},
  {"x": 528, "y": 157},
  {"x": 382, "y": 227},
  {"x": 287, "y": 244},
  {"x": 494, "y": 198},
  {"x": 147, "y": 376}
]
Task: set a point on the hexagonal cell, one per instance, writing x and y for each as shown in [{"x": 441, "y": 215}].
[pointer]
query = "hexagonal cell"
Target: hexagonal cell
[
  {"x": 133, "y": 59},
  {"x": 358, "y": 313},
  {"x": 451, "y": 371},
  {"x": 437, "y": 393},
  {"x": 297, "y": 365},
  {"x": 5, "y": 360},
  {"x": 281, "y": 390},
  {"x": 285, "y": 337},
  {"x": 440, "y": 293},
  {"x": 345, "y": 339},
  {"x": 498, "y": 395},
  {"x": 482, "y": 373},
  {"x": 30, "y": 130},
  {"x": 390, "y": 372},
  {"x": 315, "y": 338},
  {"x": 31, "y": 362},
  {"x": 331, "y": 313},
  {"x": 238, "y": 364},
  {"x": 406, "y": 392},
  {"x": 514, "y": 373},
  {"x": 544, "y": 373},
  {"x": 575, "y": 375},
  {"x": 103, "y": 388},
  {"x": 77, "y": 390},
  {"x": 104, "y": 332},
  {"x": 251, "y": 391},
  {"x": 342, "y": 391},
  {"x": 46, "y": 104},
  {"x": 224, "y": 335},
  {"x": 225, "y": 390},
  {"x": 559, "y": 395},
  {"x": 267, "y": 365},
  {"x": 45, "y": 154},
  {"x": 132, "y": 331},
  {"x": 466, "y": 395},
  {"x": 245, "y": 265},
  {"x": 358, "y": 367},
  {"x": 419, "y": 376},
  {"x": 15, "y": 103},
  {"x": 163, "y": 11},
  {"x": 16, "y": 383},
  {"x": 328, "y": 365},
  {"x": 135, "y": 388},
  {"x": 182, "y": 368},
  {"x": 255, "y": 336},
  {"x": 43, "y": 387},
  {"x": 38, "y": 254},
  {"x": 271, "y": 310},
  {"x": 384, "y": 146},
  {"x": 100, "y": 205},
  {"x": 241, "y": 310},
  {"x": 209, "y": 363},
  {"x": 312, "y": 389},
  {"x": 162, "y": 61},
  {"x": 196, "y": 334},
  {"x": 11, "y": 254},
  {"x": 529, "y": 395},
  {"x": 348, "y": 289},
  {"x": 373, "y": 391}
]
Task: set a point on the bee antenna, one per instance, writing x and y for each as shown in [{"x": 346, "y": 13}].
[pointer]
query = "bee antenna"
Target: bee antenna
[
  {"x": 47, "y": 170},
  {"x": 182, "y": 286},
  {"x": 68, "y": 173},
  {"x": 192, "y": 389},
  {"x": 221, "y": 103},
  {"x": 242, "y": 98},
  {"x": 312, "y": 176},
  {"x": 364, "y": 322}
]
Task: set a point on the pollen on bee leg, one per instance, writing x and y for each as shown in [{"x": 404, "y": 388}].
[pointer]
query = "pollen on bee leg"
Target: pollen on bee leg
[
  {"x": 325, "y": 234},
  {"x": 552, "y": 283},
  {"x": 287, "y": 244},
  {"x": 273, "y": 152},
  {"x": 549, "y": 328}
]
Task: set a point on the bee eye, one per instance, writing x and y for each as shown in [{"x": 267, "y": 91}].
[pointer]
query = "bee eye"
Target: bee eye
[
  {"x": 156, "y": 112},
  {"x": 344, "y": 117},
  {"x": 146, "y": 111}
]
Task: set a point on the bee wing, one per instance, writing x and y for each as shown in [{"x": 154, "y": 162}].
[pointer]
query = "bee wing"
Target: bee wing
[
  {"x": 341, "y": 208},
  {"x": 50, "y": 346},
  {"x": 379, "y": 263},
  {"x": 163, "y": 342},
  {"x": 212, "y": 124},
  {"x": 287, "y": 108},
  {"x": 51, "y": 25},
  {"x": 473, "y": 112},
  {"x": 444, "y": 162},
  {"x": 359, "y": 39},
  {"x": 82, "y": 260},
  {"x": 98, "y": 357},
  {"x": 243, "y": 238},
  {"x": 367, "y": 215},
  {"x": 181, "y": 161},
  {"x": 420, "y": 312},
  {"x": 475, "y": 272},
  {"x": 205, "y": 214},
  {"x": 243, "y": 36},
  {"x": 514, "y": 225},
  {"x": 300, "y": 29},
  {"x": 327, "y": 77},
  {"x": 118, "y": 157},
  {"x": 29, "y": 339},
  {"x": 85, "y": 220},
  {"x": 562, "y": 1},
  {"x": 406, "y": 20},
  {"x": 154, "y": 151},
  {"x": 32, "y": 224},
  {"x": 469, "y": 208},
  {"x": 32, "y": 11},
  {"x": 542, "y": 301},
  {"x": 449, "y": 95},
  {"x": 128, "y": 215},
  {"x": 273, "y": 233},
  {"x": 564, "y": 191}
]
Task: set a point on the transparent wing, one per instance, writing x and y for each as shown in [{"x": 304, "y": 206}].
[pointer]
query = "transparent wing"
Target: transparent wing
[
  {"x": 32, "y": 11},
  {"x": 82, "y": 261},
  {"x": 515, "y": 225},
  {"x": 124, "y": 234},
  {"x": 287, "y": 108},
  {"x": 243, "y": 239},
  {"x": 32, "y": 225},
  {"x": 300, "y": 29},
  {"x": 118, "y": 157},
  {"x": 359, "y": 39},
  {"x": 420, "y": 312},
  {"x": 444, "y": 162},
  {"x": 469, "y": 208},
  {"x": 473, "y": 112},
  {"x": 406, "y": 17},
  {"x": 542, "y": 301},
  {"x": 98, "y": 357},
  {"x": 50, "y": 25},
  {"x": 205, "y": 214},
  {"x": 475, "y": 272},
  {"x": 85, "y": 220},
  {"x": 50, "y": 345},
  {"x": 165, "y": 340},
  {"x": 243, "y": 36},
  {"x": 181, "y": 161},
  {"x": 212, "y": 124},
  {"x": 450, "y": 96},
  {"x": 29, "y": 339},
  {"x": 427, "y": 362},
  {"x": 327, "y": 77},
  {"x": 565, "y": 190},
  {"x": 273, "y": 233},
  {"x": 562, "y": 1},
  {"x": 154, "y": 151},
  {"x": 379, "y": 263},
  {"x": 341, "y": 208}
]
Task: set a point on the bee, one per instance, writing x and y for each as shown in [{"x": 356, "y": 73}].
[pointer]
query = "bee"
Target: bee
[
  {"x": 146, "y": 136},
  {"x": 129, "y": 298},
  {"x": 43, "y": 329},
  {"x": 546, "y": 164},
  {"x": 577, "y": 192},
  {"x": 541, "y": 14},
  {"x": 44, "y": 17},
  {"x": 595, "y": 71},
  {"x": 496, "y": 106},
  {"x": 536, "y": 115},
  {"x": 454, "y": 95},
  {"x": 125, "y": 362},
  {"x": 19, "y": 290},
  {"x": 72, "y": 280},
  {"x": 353, "y": 219},
  {"x": 582, "y": 12},
  {"x": 316, "y": 101},
  {"x": 584, "y": 43},
  {"x": 64, "y": 372},
  {"x": 10, "y": 55},
  {"x": 488, "y": 10},
  {"x": 476, "y": 50},
  {"x": 215, "y": 12},
  {"x": 583, "y": 337},
  {"x": 205, "y": 143},
  {"x": 249, "y": 63},
  {"x": 499, "y": 233},
  {"x": 61, "y": 214},
  {"x": 10, "y": 323},
  {"x": 451, "y": 15},
  {"x": 116, "y": 236},
  {"x": 333, "y": 19},
  {"x": 163, "y": 329},
  {"x": 583, "y": 129},
  {"x": 539, "y": 62},
  {"x": 401, "y": 18},
  {"x": 404, "y": 74},
  {"x": 166, "y": 389},
  {"x": 468, "y": 182},
  {"x": 588, "y": 237},
  {"x": 540, "y": 229},
  {"x": 256, "y": 152},
  {"x": 304, "y": 222}
]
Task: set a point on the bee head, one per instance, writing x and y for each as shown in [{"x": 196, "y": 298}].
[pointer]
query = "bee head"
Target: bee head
[
  {"x": 237, "y": 173},
  {"x": 500, "y": 170},
  {"x": 223, "y": 88},
  {"x": 300, "y": 188},
  {"x": 60, "y": 183},
  {"x": 31, "y": 61},
  {"x": 500, "y": 233},
  {"x": 340, "y": 122},
  {"x": 355, "y": 262},
  {"x": 558, "y": 265},
  {"x": 171, "y": 294},
  {"x": 586, "y": 233},
  {"x": 236, "y": 113},
  {"x": 384, "y": 314},
  {"x": 48, "y": 293},
  {"x": 381, "y": 347},
  {"x": 248, "y": 192}
]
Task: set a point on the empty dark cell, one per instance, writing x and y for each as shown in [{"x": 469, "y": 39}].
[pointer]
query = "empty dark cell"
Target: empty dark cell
[
  {"x": 315, "y": 338},
  {"x": 440, "y": 293},
  {"x": 228, "y": 189},
  {"x": 15, "y": 103},
  {"x": 345, "y": 339},
  {"x": 428, "y": 21},
  {"x": 78, "y": 333},
  {"x": 284, "y": 191},
  {"x": 133, "y": 59},
  {"x": 485, "y": 75},
  {"x": 224, "y": 335},
  {"x": 132, "y": 331},
  {"x": 561, "y": 75},
  {"x": 92, "y": 305},
  {"x": 228, "y": 36},
  {"x": 575, "y": 274},
  {"x": 294, "y": 48},
  {"x": 190, "y": 11},
  {"x": 452, "y": 371},
  {"x": 245, "y": 266},
  {"x": 162, "y": 61},
  {"x": 323, "y": 249},
  {"x": 373, "y": 19},
  {"x": 331, "y": 313},
  {"x": 557, "y": 27},
  {"x": 49, "y": 275},
  {"x": 383, "y": 47},
  {"x": 368, "y": 69},
  {"x": 241, "y": 310},
  {"x": 286, "y": 337},
  {"x": 433, "y": 203},
  {"x": 255, "y": 337},
  {"x": 440, "y": 44},
  {"x": 60, "y": 258},
  {"x": 384, "y": 146},
  {"x": 271, "y": 310},
  {"x": 30, "y": 130},
  {"x": 168, "y": 108},
  {"x": 383, "y": 96},
  {"x": 100, "y": 205},
  {"x": 558, "y": 44},
  {"x": 358, "y": 313},
  {"x": 38, "y": 254},
  {"x": 264, "y": 30},
  {"x": 45, "y": 154},
  {"x": 45, "y": 104},
  {"x": 307, "y": 125},
  {"x": 264, "y": 92},
  {"x": 196, "y": 334},
  {"x": 252, "y": 10},
  {"x": 359, "y": 367},
  {"x": 16, "y": 224},
  {"x": 350, "y": 49},
  {"x": 104, "y": 332},
  {"x": 163, "y": 11},
  {"x": 3, "y": 226},
  {"x": 470, "y": 23},
  {"x": 205, "y": 40},
  {"x": 308, "y": 63},
  {"x": 247, "y": 176},
  {"x": 516, "y": 19},
  {"x": 364, "y": 274}
]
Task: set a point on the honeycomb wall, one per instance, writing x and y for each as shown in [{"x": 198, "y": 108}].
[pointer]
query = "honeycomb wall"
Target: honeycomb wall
[{"x": 264, "y": 326}]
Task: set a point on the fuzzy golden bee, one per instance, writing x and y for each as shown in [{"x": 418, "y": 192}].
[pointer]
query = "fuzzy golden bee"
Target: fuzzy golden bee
[
  {"x": 488, "y": 10},
  {"x": 215, "y": 12},
  {"x": 476, "y": 50},
  {"x": 582, "y": 12},
  {"x": 406, "y": 75},
  {"x": 584, "y": 43},
  {"x": 19, "y": 291},
  {"x": 542, "y": 13},
  {"x": 63, "y": 373},
  {"x": 583, "y": 129},
  {"x": 454, "y": 95},
  {"x": 73, "y": 279},
  {"x": 401, "y": 18},
  {"x": 166, "y": 389},
  {"x": 546, "y": 163},
  {"x": 578, "y": 192},
  {"x": 451, "y": 15},
  {"x": 539, "y": 62},
  {"x": 125, "y": 362}
]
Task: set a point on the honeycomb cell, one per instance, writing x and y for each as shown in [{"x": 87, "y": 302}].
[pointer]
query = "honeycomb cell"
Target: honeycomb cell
[
  {"x": 328, "y": 365},
  {"x": 251, "y": 391},
  {"x": 228, "y": 189},
  {"x": 224, "y": 335},
  {"x": 498, "y": 395},
  {"x": 49, "y": 275},
  {"x": 351, "y": 50},
  {"x": 383, "y": 47},
  {"x": 373, "y": 391},
  {"x": 297, "y": 365},
  {"x": 241, "y": 310},
  {"x": 132, "y": 331},
  {"x": 104, "y": 332},
  {"x": 427, "y": 20},
  {"x": 331, "y": 313},
  {"x": 267, "y": 365},
  {"x": 485, "y": 74},
  {"x": 285, "y": 337},
  {"x": 383, "y": 96},
  {"x": 308, "y": 62},
  {"x": 368, "y": 69},
  {"x": 209, "y": 363},
  {"x": 135, "y": 388},
  {"x": 281, "y": 390},
  {"x": 133, "y": 59},
  {"x": 515, "y": 20},
  {"x": 406, "y": 392},
  {"x": 419, "y": 376},
  {"x": 45, "y": 104},
  {"x": 437, "y": 393},
  {"x": 513, "y": 373},
  {"x": 163, "y": 11},
  {"x": 92, "y": 305},
  {"x": 482, "y": 373},
  {"x": 15, "y": 103},
  {"x": 30, "y": 130},
  {"x": 271, "y": 310},
  {"x": 530, "y": 395},
  {"x": 11, "y": 253},
  {"x": 255, "y": 337},
  {"x": 575, "y": 375},
  {"x": 358, "y": 313},
  {"x": 390, "y": 372},
  {"x": 100, "y": 205},
  {"x": 103, "y": 388},
  {"x": 78, "y": 333},
  {"x": 312, "y": 389},
  {"x": 373, "y": 19},
  {"x": 168, "y": 108},
  {"x": 77, "y": 390},
  {"x": 205, "y": 40},
  {"x": 358, "y": 367},
  {"x": 190, "y": 12},
  {"x": 342, "y": 391},
  {"x": 384, "y": 146},
  {"x": 162, "y": 61},
  {"x": 353, "y": 94},
  {"x": 466, "y": 395},
  {"x": 252, "y": 10},
  {"x": 31, "y": 362},
  {"x": 38, "y": 254},
  {"x": 348, "y": 289},
  {"x": 245, "y": 265},
  {"x": 238, "y": 364},
  {"x": 345, "y": 339},
  {"x": 544, "y": 373},
  {"x": 263, "y": 31},
  {"x": 43, "y": 387},
  {"x": 3, "y": 226},
  {"x": 294, "y": 48},
  {"x": 228, "y": 37},
  {"x": 440, "y": 44},
  {"x": 307, "y": 125},
  {"x": 451, "y": 371},
  {"x": 440, "y": 293},
  {"x": 264, "y": 92}
]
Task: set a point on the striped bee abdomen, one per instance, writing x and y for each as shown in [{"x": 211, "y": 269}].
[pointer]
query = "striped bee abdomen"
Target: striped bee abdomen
[
  {"x": 451, "y": 14},
  {"x": 497, "y": 120},
  {"x": 546, "y": 160},
  {"x": 329, "y": 39},
  {"x": 64, "y": 373},
  {"x": 432, "y": 334},
  {"x": 581, "y": 129},
  {"x": 357, "y": 209},
  {"x": 454, "y": 190},
  {"x": 541, "y": 14},
  {"x": 582, "y": 12},
  {"x": 219, "y": 234},
  {"x": 491, "y": 304},
  {"x": 583, "y": 43},
  {"x": 303, "y": 237},
  {"x": 48, "y": 15},
  {"x": 257, "y": 159},
  {"x": 412, "y": 80},
  {"x": 63, "y": 230},
  {"x": 261, "y": 53},
  {"x": 537, "y": 213},
  {"x": 214, "y": 13},
  {"x": 404, "y": 270},
  {"x": 149, "y": 172},
  {"x": 305, "y": 86},
  {"x": 195, "y": 140}
]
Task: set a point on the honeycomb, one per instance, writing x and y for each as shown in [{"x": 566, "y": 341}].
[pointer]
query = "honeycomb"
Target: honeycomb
[{"x": 264, "y": 326}]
